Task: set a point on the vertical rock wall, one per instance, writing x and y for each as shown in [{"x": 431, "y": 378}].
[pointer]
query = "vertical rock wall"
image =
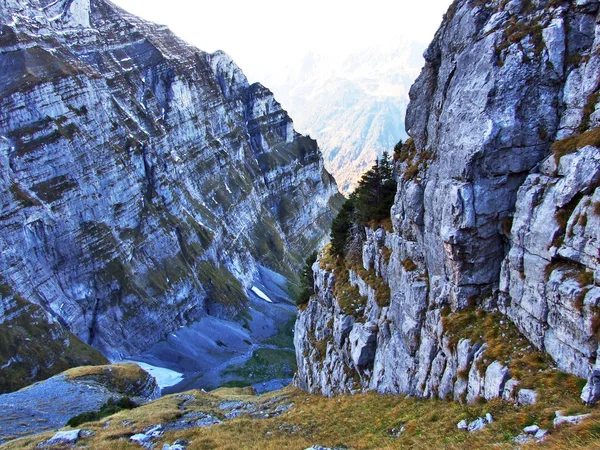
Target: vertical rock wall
[{"x": 502, "y": 82}]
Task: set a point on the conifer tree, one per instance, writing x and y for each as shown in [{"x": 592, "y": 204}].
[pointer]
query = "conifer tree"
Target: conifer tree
[{"x": 371, "y": 202}]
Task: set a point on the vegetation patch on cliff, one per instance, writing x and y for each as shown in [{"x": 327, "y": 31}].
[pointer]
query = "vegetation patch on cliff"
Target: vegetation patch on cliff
[
  {"x": 347, "y": 295},
  {"x": 412, "y": 160},
  {"x": 574, "y": 143},
  {"x": 533, "y": 368},
  {"x": 33, "y": 349}
]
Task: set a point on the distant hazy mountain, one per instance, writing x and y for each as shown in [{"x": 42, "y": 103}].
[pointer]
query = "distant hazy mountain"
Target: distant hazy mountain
[{"x": 353, "y": 105}]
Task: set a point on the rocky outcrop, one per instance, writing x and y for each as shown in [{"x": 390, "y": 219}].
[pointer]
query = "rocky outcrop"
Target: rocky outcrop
[
  {"x": 479, "y": 204},
  {"x": 50, "y": 404},
  {"x": 143, "y": 181}
]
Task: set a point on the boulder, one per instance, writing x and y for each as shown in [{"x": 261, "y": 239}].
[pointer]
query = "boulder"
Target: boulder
[
  {"x": 540, "y": 434},
  {"x": 509, "y": 393},
  {"x": 527, "y": 397},
  {"x": 573, "y": 420},
  {"x": 477, "y": 425},
  {"x": 496, "y": 376},
  {"x": 363, "y": 340},
  {"x": 591, "y": 392},
  {"x": 63, "y": 437},
  {"x": 531, "y": 429}
]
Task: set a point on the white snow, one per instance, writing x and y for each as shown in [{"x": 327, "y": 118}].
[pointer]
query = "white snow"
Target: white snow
[
  {"x": 228, "y": 190},
  {"x": 164, "y": 377},
  {"x": 261, "y": 294}
]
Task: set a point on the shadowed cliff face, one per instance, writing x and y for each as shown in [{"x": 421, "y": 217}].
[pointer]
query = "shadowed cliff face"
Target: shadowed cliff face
[
  {"x": 143, "y": 181},
  {"x": 501, "y": 83}
]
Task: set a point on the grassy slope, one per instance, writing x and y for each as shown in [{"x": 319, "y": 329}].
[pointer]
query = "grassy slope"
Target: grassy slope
[{"x": 360, "y": 421}]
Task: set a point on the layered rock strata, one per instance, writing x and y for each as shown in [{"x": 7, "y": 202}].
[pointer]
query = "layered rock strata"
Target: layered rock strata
[{"x": 143, "y": 180}]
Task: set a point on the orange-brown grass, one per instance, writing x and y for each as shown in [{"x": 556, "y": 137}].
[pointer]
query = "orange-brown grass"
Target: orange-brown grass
[
  {"x": 409, "y": 265},
  {"x": 378, "y": 284},
  {"x": 386, "y": 253},
  {"x": 534, "y": 369},
  {"x": 347, "y": 295},
  {"x": 574, "y": 143}
]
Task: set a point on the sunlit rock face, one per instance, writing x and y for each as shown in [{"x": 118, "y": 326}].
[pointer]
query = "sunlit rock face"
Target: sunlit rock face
[
  {"x": 485, "y": 216},
  {"x": 143, "y": 180}
]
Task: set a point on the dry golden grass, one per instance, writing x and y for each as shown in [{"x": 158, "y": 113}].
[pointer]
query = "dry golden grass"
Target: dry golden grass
[
  {"x": 574, "y": 143},
  {"x": 362, "y": 421},
  {"x": 126, "y": 378},
  {"x": 127, "y": 370}
]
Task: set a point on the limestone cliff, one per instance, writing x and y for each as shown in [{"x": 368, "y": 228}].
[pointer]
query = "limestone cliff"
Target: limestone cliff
[
  {"x": 487, "y": 223},
  {"x": 143, "y": 181}
]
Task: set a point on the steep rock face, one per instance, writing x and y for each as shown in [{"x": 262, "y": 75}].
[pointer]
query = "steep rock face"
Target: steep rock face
[
  {"x": 502, "y": 81},
  {"x": 549, "y": 276},
  {"x": 143, "y": 181}
]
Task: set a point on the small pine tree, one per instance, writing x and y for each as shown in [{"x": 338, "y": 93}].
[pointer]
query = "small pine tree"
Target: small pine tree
[
  {"x": 306, "y": 280},
  {"x": 398, "y": 150},
  {"x": 376, "y": 191},
  {"x": 341, "y": 225},
  {"x": 371, "y": 201}
]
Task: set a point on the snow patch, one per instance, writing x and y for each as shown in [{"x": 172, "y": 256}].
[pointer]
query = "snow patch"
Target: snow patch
[
  {"x": 164, "y": 377},
  {"x": 261, "y": 294}
]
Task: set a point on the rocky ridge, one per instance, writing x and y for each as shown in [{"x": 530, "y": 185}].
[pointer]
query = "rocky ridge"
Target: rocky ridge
[
  {"x": 144, "y": 182},
  {"x": 50, "y": 404},
  {"x": 494, "y": 233}
]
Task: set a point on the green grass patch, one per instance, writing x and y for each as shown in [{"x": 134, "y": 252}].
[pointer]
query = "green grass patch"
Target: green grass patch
[
  {"x": 222, "y": 287},
  {"x": 23, "y": 197},
  {"x": 54, "y": 189},
  {"x": 264, "y": 364},
  {"x": 112, "y": 406},
  {"x": 285, "y": 334}
]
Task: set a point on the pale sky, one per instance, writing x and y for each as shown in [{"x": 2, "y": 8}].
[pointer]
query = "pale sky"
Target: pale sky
[{"x": 262, "y": 36}]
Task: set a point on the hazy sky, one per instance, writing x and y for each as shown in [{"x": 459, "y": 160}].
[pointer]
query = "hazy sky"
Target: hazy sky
[{"x": 262, "y": 36}]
